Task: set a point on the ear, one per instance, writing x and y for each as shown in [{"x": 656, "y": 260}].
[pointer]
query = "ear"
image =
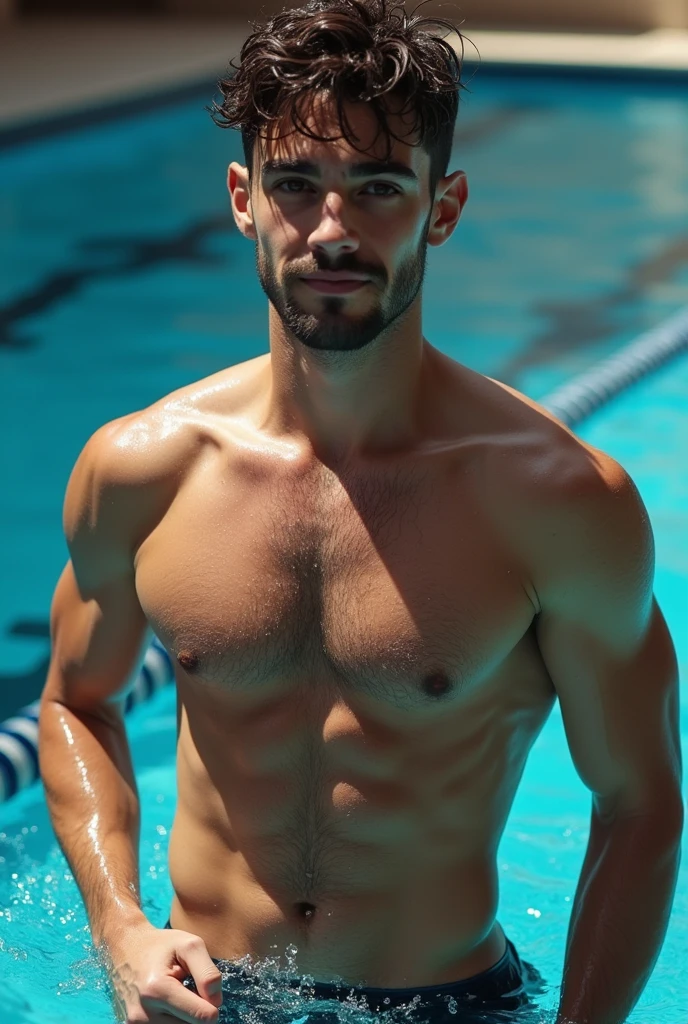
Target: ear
[
  {"x": 451, "y": 195},
  {"x": 240, "y": 194}
]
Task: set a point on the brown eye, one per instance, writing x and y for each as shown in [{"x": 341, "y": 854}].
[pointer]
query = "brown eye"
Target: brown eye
[
  {"x": 291, "y": 181},
  {"x": 394, "y": 191}
]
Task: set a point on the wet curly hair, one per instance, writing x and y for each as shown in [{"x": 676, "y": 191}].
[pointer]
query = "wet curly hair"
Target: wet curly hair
[{"x": 357, "y": 51}]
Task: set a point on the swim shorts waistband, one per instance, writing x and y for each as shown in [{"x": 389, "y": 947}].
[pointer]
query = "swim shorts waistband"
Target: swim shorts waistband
[{"x": 500, "y": 987}]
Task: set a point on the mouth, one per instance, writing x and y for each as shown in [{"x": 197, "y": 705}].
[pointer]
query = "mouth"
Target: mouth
[{"x": 336, "y": 284}]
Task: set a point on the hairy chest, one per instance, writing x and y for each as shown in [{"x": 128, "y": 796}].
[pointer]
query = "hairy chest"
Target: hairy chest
[{"x": 400, "y": 589}]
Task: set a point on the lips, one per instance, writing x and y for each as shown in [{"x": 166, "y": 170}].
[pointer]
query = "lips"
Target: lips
[{"x": 336, "y": 284}]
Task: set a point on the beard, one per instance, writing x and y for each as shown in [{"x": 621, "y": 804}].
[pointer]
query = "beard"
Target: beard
[{"x": 332, "y": 330}]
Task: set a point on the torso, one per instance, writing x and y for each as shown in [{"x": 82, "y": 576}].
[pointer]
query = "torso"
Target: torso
[{"x": 359, "y": 684}]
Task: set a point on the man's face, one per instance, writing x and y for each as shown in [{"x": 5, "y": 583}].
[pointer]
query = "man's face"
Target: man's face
[{"x": 340, "y": 235}]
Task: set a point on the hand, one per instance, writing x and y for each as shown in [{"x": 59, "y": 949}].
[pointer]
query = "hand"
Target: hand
[{"x": 147, "y": 966}]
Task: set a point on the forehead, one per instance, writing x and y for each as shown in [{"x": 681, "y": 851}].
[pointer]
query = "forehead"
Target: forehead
[{"x": 320, "y": 115}]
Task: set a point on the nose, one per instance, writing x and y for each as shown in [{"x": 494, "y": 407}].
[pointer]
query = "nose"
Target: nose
[{"x": 333, "y": 235}]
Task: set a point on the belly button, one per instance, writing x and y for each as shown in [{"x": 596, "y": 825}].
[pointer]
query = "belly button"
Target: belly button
[{"x": 306, "y": 910}]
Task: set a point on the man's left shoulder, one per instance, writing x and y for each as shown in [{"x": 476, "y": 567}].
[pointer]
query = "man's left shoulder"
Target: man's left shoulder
[
  {"x": 584, "y": 490},
  {"x": 567, "y": 505},
  {"x": 589, "y": 529},
  {"x": 557, "y": 468},
  {"x": 575, "y": 479}
]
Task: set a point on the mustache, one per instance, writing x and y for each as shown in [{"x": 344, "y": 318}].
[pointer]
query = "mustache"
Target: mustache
[{"x": 298, "y": 268}]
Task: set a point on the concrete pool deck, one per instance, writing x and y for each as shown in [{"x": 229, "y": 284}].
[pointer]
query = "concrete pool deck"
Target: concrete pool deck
[{"x": 51, "y": 67}]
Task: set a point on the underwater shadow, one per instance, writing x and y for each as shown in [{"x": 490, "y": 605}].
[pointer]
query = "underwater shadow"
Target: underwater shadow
[
  {"x": 113, "y": 256},
  {"x": 579, "y": 325}
]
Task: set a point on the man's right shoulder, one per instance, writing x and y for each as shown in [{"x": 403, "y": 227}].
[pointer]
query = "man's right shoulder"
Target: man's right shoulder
[
  {"x": 140, "y": 447},
  {"x": 131, "y": 468},
  {"x": 128, "y": 472}
]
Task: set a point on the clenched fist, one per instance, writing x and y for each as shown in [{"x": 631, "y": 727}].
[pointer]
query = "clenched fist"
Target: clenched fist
[{"x": 147, "y": 965}]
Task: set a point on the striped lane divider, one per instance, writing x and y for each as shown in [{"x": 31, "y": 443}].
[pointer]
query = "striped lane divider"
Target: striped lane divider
[
  {"x": 584, "y": 394},
  {"x": 19, "y": 734},
  {"x": 571, "y": 403}
]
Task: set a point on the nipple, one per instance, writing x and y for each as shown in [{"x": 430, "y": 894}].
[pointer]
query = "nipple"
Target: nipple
[
  {"x": 436, "y": 684},
  {"x": 187, "y": 659}
]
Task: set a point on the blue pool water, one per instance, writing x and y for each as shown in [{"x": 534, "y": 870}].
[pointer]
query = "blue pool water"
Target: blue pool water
[{"x": 123, "y": 279}]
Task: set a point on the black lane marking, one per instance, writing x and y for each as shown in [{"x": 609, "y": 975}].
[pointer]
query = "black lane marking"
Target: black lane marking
[
  {"x": 129, "y": 254},
  {"x": 578, "y": 325}
]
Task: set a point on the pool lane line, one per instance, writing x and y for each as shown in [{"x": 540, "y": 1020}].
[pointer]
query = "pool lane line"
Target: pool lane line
[
  {"x": 584, "y": 394},
  {"x": 131, "y": 255},
  {"x": 571, "y": 403},
  {"x": 19, "y": 765}
]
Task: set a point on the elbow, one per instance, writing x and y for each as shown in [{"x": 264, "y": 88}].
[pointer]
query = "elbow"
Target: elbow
[{"x": 660, "y": 820}]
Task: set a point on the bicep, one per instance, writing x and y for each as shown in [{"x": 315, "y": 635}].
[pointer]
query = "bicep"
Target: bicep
[
  {"x": 619, "y": 707},
  {"x": 99, "y": 632},
  {"x": 98, "y": 641},
  {"x": 608, "y": 650}
]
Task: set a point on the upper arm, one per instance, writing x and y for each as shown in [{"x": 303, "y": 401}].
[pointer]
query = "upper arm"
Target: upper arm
[
  {"x": 606, "y": 644},
  {"x": 99, "y": 632}
]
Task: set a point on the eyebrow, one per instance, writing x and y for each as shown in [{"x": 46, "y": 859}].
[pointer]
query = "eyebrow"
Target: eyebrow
[{"x": 367, "y": 169}]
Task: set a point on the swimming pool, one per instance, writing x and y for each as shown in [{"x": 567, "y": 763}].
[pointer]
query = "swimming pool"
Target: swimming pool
[{"x": 125, "y": 280}]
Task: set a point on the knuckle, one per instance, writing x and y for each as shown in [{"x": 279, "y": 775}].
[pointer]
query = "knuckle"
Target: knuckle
[{"x": 152, "y": 987}]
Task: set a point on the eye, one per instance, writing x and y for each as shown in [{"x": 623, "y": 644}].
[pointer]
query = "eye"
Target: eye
[
  {"x": 300, "y": 184},
  {"x": 380, "y": 185}
]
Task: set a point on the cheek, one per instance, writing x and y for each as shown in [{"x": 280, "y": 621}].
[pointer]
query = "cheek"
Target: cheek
[
  {"x": 406, "y": 240},
  {"x": 277, "y": 231},
  {"x": 402, "y": 228}
]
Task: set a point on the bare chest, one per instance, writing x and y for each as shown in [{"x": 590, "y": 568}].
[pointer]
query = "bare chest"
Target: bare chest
[{"x": 399, "y": 590}]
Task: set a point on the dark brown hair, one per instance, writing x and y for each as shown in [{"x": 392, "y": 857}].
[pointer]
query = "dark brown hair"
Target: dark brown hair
[{"x": 358, "y": 51}]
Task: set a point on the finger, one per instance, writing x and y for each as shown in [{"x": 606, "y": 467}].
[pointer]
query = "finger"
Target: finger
[{"x": 205, "y": 973}]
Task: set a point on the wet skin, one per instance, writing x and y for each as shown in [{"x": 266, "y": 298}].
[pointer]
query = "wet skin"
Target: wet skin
[
  {"x": 359, "y": 682},
  {"x": 373, "y": 569}
]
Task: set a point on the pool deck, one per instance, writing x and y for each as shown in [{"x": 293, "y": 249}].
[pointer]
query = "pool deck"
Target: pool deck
[{"x": 51, "y": 67}]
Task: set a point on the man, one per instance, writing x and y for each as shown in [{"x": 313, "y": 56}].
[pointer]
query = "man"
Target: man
[{"x": 375, "y": 571}]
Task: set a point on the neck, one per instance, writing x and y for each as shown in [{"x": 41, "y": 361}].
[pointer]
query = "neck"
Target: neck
[{"x": 348, "y": 403}]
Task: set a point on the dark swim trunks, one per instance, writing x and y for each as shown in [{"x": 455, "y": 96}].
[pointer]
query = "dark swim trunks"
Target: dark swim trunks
[{"x": 491, "y": 997}]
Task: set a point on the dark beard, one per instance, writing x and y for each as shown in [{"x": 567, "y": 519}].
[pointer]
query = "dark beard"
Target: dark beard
[{"x": 330, "y": 332}]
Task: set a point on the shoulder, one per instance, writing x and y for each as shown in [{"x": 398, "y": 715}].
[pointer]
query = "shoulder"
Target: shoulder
[
  {"x": 139, "y": 451},
  {"x": 130, "y": 469},
  {"x": 572, "y": 510},
  {"x": 584, "y": 524}
]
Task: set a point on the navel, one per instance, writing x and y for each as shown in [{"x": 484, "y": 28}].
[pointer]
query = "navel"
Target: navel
[
  {"x": 436, "y": 684},
  {"x": 187, "y": 659},
  {"x": 306, "y": 911}
]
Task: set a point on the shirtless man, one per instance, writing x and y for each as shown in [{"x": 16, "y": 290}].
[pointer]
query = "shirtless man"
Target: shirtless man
[{"x": 375, "y": 570}]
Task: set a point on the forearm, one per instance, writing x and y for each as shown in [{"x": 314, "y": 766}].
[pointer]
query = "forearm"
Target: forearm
[
  {"x": 619, "y": 919},
  {"x": 93, "y": 802}
]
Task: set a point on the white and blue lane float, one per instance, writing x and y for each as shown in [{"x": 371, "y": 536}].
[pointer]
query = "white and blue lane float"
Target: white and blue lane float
[
  {"x": 571, "y": 403},
  {"x": 19, "y": 766}
]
